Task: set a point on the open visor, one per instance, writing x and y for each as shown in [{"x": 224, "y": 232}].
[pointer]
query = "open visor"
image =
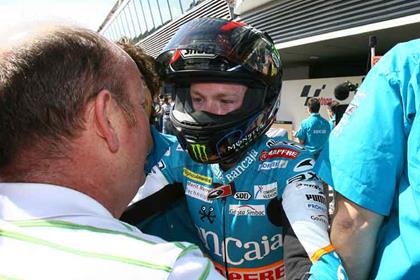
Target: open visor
[
  {"x": 218, "y": 45},
  {"x": 254, "y": 101}
]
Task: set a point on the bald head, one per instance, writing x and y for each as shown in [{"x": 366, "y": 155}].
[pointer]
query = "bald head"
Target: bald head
[{"x": 47, "y": 75}]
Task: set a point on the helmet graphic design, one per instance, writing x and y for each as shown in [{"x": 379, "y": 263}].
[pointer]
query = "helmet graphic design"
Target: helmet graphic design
[{"x": 210, "y": 50}]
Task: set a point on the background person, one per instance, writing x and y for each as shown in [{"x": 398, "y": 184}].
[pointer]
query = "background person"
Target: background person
[
  {"x": 332, "y": 113},
  {"x": 235, "y": 178},
  {"x": 166, "y": 112},
  {"x": 314, "y": 130},
  {"x": 73, "y": 141},
  {"x": 372, "y": 160}
]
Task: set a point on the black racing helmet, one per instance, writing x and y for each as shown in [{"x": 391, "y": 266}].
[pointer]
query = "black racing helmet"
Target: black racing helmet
[{"x": 221, "y": 51}]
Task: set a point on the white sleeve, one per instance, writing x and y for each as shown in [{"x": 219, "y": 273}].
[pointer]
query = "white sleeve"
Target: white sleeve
[
  {"x": 194, "y": 266},
  {"x": 305, "y": 207},
  {"x": 155, "y": 181}
]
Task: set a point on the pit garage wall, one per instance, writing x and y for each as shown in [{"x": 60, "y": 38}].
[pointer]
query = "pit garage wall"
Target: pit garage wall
[
  {"x": 295, "y": 92},
  {"x": 289, "y": 20}
]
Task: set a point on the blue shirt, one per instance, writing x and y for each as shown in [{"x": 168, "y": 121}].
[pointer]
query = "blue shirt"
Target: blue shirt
[
  {"x": 373, "y": 158},
  {"x": 314, "y": 132}
]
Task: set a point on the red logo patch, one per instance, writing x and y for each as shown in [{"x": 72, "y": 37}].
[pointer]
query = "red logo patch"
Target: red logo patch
[{"x": 279, "y": 153}]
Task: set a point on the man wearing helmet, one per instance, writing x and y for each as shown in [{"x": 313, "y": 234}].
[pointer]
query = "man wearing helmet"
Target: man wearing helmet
[{"x": 247, "y": 194}]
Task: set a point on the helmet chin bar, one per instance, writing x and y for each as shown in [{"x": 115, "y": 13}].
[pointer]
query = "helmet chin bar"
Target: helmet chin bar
[{"x": 224, "y": 143}]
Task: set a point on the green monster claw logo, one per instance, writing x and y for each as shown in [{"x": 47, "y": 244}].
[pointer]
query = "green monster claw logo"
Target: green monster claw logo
[{"x": 200, "y": 152}]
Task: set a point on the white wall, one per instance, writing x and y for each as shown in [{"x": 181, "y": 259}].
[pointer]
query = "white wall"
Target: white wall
[{"x": 293, "y": 97}]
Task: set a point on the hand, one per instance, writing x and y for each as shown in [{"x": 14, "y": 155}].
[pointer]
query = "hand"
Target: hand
[{"x": 328, "y": 267}]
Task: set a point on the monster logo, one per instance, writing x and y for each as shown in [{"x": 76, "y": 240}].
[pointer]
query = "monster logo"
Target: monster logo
[{"x": 199, "y": 152}]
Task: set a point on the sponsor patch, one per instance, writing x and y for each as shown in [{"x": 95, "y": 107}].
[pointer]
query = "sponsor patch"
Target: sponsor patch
[
  {"x": 189, "y": 53},
  {"x": 265, "y": 191},
  {"x": 220, "y": 191},
  {"x": 304, "y": 165},
  {"x": 245, "y": 139},
  {"x": 199, "y": 151},
  {"x": 310, "y": 175},
  {"x": 207, "y": 213},
  {"x": 273, "y": 164},
  {"x": 309, "y": 185},
  {"x": 279, "y": 153},
  {"x": 242, "y": 196},
  {"x": 320, "y": 218},
  {"x": 197, "y": 177},
  {"x": 268, "y": 272},
  {"x": 316, "y": 197},
  {"x": 314, "y": 206},
  {"x": 319, "y": 131},
  {"x": 197, "y": 191},
  {"x": 247, "y": 210},
  {"x": 242, "y": 166}
]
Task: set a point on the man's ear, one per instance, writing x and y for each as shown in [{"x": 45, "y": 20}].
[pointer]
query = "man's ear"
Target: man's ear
[{"x": 104, "y": 117}]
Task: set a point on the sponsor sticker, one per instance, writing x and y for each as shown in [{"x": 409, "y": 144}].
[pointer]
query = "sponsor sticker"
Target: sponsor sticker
[
  {"x": 199, "y": 151},
  {"x": 265, "y": 191},
  {"x": 242, "y": 166},
  {"x": 273, "y": 164},
  {"x": 309, "y": 186},
  {"x": 197, "y": 177},
  {"x": 220, "y": 191},
  {"x": 316, "y": 197},
  {"x": 274, "y": 271},
  {"x": 242, "y": 196},
  {"x": 304, "y": 165},
  {"x": 309, "y": 175},
  {"x": 197, "y": 191},
  {"x": 207, "y": 214},
  {"x": 247, "y": 210},
  {"x": 279, "y": 153},
  {"x": 314, "y": 206},
  {"x": 190, "y": 53},
  {"x": 319, "y": 131},
  {"x": 320, "y": 218}
]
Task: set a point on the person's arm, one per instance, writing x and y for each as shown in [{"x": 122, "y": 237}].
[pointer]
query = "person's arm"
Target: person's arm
[
  {"x": 300, "y": 135},
  {"x": 305, "y": 206},
  {"x": 296, "y": 261},
  {"x": 359, "y": 227}
]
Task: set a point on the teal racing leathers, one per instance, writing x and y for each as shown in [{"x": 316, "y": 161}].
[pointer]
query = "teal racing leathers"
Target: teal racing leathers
[{"x": 238, "y": 213}]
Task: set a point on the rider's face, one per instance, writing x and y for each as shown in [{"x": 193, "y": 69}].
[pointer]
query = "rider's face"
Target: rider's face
[{"x": 217, "y": 98}]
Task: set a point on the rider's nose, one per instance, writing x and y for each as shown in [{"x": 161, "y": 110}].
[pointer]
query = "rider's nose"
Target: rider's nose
[{"x": 212, "y": 107}]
